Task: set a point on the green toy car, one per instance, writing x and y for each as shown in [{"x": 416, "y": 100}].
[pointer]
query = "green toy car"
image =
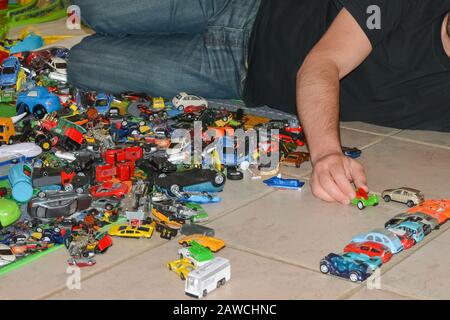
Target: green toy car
[
  {"x": 9, "y": 212},
  {"x": 364, "y": 200},
  {"x": 197, "y": 253},
  {"x": 200, "y": 216}
]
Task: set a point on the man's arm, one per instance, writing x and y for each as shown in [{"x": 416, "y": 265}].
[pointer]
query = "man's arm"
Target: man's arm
[{"x": 342, "y": 49}]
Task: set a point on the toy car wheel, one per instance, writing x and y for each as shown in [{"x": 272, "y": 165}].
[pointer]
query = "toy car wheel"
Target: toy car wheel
[
  {"x": 174, "y": 189},
  {"x": 184, "y": 244},
  {"x": 219, "y": 180},
  {"x": 324, "y": 268},
  {"x": 169, "y": 267},
  {"x": 142, "y": 124},
  {"x": 21, "y": 108},
  {"x": 235, "y": 175},
  {"x": 109, "y": 206},
  {"x": 39, "y": 230},
  {"x": 45, "y": 145},
  {"x": 353, "y": 277},
  {"x": 41, "y": 194},
  {"x": 68, "y": 187},
  {"x": 180, "y": 108},
  {"x": 182, "y": 277},
  {"x": 124, "y": 123},
  {"x": 410, "y": 203},
  {"x": 361, "y": 205},
  {"x": 39, "y": 111},
  {"x": 151, "y": 117},
  {"x": 205, "y": 293},
  {"x": 387, "y": 198}
]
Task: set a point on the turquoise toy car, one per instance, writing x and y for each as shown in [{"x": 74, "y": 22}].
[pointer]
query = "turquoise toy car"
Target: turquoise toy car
[
  {"x": 413, "y": 228},
  {"x": 364, "y": 200},
  {"x": 373, "y": 262},
  {"x": 9, "y": 212},
  {"x": 38, "y": 101}
]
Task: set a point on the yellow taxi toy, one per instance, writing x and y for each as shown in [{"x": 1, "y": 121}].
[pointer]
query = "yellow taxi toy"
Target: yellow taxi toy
[
  {"x": 127, "y": 231},
  {"x": 181, "y": 267}
]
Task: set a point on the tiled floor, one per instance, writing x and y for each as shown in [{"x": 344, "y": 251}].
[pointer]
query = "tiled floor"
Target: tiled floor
[{"x": 275, "y": 239}]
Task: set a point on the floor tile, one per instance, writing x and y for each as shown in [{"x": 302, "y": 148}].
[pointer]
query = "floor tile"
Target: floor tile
[
  {"x": 367, "y": 294},
  {"x": 237, "y": 194},
  {"x": 252, "y": 277},
  {"x": 432, "y": 137},
  {"x": 394, "y": 163},
  {"x": 425, "y": 274},
  {"x": 47, "y": 274},
  {"x": 294, "y": 226},
  {"x": 367, "y": 127}
]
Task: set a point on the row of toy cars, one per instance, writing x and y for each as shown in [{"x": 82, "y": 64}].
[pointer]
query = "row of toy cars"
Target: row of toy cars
[{"x": 368, "y": 251}]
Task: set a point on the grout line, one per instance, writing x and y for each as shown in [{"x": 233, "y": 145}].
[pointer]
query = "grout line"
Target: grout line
[{"x": 428, "y": 144}]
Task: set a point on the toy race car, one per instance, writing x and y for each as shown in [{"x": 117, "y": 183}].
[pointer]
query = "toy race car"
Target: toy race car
[
  {"x": 338, "y": 265},
  {"x": 278, "y": 182}
]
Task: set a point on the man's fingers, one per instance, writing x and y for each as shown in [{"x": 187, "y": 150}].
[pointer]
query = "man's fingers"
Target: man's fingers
[
  {"x": 318, "y": 191},
  {"x": 339, "y": 176},
  {"x": 329, "y": 185},
  {"x": 359, "y": 176}
]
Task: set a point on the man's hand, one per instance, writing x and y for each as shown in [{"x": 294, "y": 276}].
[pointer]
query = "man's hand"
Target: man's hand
[{"x": 333, "y": 178}]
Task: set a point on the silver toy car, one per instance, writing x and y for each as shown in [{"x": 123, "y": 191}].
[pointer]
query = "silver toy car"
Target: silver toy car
[{"x": 411, "y": 197}]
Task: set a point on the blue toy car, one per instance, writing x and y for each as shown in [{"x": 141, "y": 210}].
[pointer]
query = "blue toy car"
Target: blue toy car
[
  {"x": 413, "y": 228},
  {"x": 278, "y": 182},
  {"x": 373, "y": 262},
  {"x": 103, "y": 102},
  {"x": 29, "y": 43},
  {"x": 38, "y": 101},
  {"x": 353, "y": 153},
  {"x": 382, "y": 236},
  {"x": 10, "y": 72},
  {"x": 346, "y": 268}
]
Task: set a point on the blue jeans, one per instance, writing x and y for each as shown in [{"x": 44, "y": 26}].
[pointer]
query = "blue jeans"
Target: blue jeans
[{"x": 163, "y": 47}]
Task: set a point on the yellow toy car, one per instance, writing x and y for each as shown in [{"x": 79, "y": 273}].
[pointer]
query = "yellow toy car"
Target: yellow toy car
[
  {"x": 127, "y": 231},
  {"x": 158, "y": 103},
  {"x": 181, "y": 267},
  {"x": 212, "y": 243}
]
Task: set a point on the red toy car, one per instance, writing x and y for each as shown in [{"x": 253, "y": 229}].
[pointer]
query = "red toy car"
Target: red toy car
[
  {"x": 194, "y": 109},
  {"x": 110, "y": 189},
  {"x": 371, "y": 249}
]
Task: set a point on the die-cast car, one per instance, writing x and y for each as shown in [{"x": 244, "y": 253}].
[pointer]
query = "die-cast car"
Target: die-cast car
[
  {"x": 363, "y": 200},
  {"x": 411, "y": 197},
  {"x": 278, "y": 182},
  {"x": 201, "y": 180},
  {"x": 103, "y": 102},
  {"x": 429, "y": 223},
  {"x": 9, "y": 73},
  {"x": 415, "y": 229},
  {"x": 371, "y": 249},
  {"x": 181, "y": 267},
  {"x": 110, "y": 189},
  {"x": 372, "y": 262},
  {"x": 128, "y": 231},
  {"x": 345, "y": 268},
  {"x": 437, "y": 209},
  {"x": 213, "y": 244},
  {"x": 58, "y": 204},
  {"x": 382, "y": 236},
  {"x": 353, "y": 153},
  {"x": 184, "y": 99}
]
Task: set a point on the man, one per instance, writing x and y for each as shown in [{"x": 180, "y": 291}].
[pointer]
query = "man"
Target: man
[{"x": 380, "y": 61}]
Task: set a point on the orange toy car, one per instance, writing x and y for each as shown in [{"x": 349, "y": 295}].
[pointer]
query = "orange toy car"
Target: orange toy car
[
  {"x": 212, "y": 243},
  {"x": 438, "y": 209}
]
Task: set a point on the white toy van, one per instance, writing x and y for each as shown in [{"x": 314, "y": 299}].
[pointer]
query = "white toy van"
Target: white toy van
[{"x": 208, "y": 277}]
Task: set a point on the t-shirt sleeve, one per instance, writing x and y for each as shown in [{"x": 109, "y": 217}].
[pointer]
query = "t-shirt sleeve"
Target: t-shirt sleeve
[{"x": 377, "y": 18}]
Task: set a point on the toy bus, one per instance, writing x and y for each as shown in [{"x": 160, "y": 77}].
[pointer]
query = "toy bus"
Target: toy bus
[{"x": 208, "y": 277}]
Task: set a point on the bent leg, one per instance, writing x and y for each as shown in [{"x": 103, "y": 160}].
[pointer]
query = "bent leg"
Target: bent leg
[
  {"x": 161, "y": 65},
  {"x": 139, "y": 17}
]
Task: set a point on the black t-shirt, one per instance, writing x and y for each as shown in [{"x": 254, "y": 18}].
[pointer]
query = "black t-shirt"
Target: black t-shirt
[{"x": 405, "y": 82}]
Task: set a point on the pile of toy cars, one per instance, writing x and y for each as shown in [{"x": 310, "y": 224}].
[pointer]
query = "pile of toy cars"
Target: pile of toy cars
[
  {"x": 367, "y": 252},
  {"x": 79, "y": 168}
]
